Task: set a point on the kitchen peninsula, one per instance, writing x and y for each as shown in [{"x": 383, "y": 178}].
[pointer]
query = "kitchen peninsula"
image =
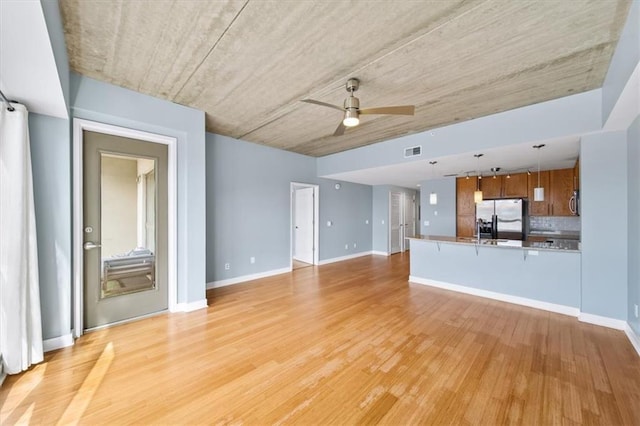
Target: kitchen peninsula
[{"x": 541, "y": 275}]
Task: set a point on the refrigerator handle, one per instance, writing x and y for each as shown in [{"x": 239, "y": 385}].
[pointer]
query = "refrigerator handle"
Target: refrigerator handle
[{"x": 494, "y": 226}]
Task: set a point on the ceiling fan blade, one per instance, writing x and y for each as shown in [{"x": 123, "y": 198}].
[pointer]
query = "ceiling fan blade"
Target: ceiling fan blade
[
  {"x": 324, "y": 104},
  {"x": 395, "y": 110},
  {"x": 340, "y": 129}
]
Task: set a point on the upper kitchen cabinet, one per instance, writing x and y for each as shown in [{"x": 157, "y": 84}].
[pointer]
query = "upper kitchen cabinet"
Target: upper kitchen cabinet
[
  {"x": 558, "y": 189},
  {"x": 561, "y": 184},
  {"x": 539, "y": 208},
  {"x": 491, "y": 187},
  {"x": 514, "y": 186}
]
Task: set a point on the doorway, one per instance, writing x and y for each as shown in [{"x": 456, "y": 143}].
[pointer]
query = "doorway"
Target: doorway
[
  {"x": 124, "y": 225},
  {"x": 125, "y": 229},
  {"x": 304, "y": 225},
  {"x": 402, "y": 219}
]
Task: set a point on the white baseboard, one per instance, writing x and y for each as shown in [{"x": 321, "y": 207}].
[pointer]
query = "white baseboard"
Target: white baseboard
[
  {"x": 244, "y": 278},
  {"x": 379, "y": 253},
  {"x": 602, "y": 321},
  {"x": 190, "y": 306},
  {"x": 532, "y": 303},
  {"x": 633, "y": 338},
  {"x": 58, "y": 342},
  {"x": 341, "y": 258}
]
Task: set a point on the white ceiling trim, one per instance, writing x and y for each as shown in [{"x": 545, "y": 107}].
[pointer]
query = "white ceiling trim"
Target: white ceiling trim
[
  {"x": 28, "y": 72},
  {"x": 559, "y": 153},
  {"x": 627, "y": 107}
]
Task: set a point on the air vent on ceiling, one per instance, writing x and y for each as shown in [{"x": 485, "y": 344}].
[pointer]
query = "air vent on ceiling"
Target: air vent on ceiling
[{"x": 414, "y": 151}]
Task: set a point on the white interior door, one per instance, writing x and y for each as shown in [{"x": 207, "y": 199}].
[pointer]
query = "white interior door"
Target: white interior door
[
  {"x": 396, "y": 222},
  {"x": 409, "y": 220},
  {"x": 303, "y": 225}
]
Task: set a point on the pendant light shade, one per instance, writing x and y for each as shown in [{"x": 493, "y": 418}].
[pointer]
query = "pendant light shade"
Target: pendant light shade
[
  {"x": 477, "y": 195},
  {"x": 433, "y": 197},
  {"x": 538, "y": 192}
]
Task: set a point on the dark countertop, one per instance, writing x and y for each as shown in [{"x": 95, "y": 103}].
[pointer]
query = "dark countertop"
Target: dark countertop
[{"x": 566, "y": 245}]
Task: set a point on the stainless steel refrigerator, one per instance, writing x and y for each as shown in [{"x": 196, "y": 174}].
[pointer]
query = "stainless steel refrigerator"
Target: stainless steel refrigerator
[{"x": 501, "y": 218}]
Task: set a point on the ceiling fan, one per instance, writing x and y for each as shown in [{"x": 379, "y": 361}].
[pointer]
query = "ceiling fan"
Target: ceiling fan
[{"x": 352, "y": 109}]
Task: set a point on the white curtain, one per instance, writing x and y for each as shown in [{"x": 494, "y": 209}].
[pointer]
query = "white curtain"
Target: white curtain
[{"x": 20, "y": 323}]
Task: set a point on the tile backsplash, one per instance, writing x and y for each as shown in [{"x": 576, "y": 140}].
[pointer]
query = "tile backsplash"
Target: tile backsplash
[{"x": 554, "y": 223}]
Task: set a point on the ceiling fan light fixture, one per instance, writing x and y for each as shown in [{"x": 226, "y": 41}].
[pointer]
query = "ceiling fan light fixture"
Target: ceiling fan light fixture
[{"x": 351, "y": 118}]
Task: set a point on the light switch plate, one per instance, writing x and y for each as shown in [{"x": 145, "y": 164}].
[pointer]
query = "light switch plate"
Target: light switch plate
[{"x": 426, "y": 223}]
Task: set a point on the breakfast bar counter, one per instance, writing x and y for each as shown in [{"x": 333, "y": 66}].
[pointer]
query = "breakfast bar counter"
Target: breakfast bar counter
[{"x": 544, "y": 275}]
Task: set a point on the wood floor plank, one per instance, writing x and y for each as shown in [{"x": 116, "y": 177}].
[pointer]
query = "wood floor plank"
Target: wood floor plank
[{"x": 346, "y": 343}]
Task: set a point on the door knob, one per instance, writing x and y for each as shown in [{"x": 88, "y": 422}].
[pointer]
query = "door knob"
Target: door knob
[{"x": 90, "y": 245}]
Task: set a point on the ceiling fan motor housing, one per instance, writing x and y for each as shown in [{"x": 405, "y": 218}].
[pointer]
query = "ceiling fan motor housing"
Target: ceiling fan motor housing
[{"x": 352, "y": 103}]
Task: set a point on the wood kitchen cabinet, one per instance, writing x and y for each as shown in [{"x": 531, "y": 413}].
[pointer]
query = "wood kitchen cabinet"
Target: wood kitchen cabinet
[
  {"x": 561, "y": 184},
  {"x": 466, "y": 225},
  {"x": 464, "y": 196},
  {"x": 516, "y": 186},
  {"x": 558, "y": 188},
  {"x": 491, "y": 188},
  {"x": 539, "y": 208},
  {"x": 465, "y": 206},
  {"x": 502, "y": 186}
]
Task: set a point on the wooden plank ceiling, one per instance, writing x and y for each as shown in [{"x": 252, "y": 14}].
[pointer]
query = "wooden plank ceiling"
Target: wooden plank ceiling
[{"x": 248, "y": 63}]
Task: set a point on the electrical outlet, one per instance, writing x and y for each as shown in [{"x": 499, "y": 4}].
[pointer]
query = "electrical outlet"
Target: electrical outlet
[
  {"x": 252, "y": 259},
  {"x": 227, "y": 266},
  {"x": 346, "y": 246},
  {"x": 383, "y": 222},
  {"x": 355, "y": 245},
  {"x": 366, "y": 222},
  {"x": 426, "y": 223},
  {"x": 636, "y": 309}
]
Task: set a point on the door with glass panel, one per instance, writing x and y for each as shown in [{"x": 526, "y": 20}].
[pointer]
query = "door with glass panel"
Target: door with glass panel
[{"x": 124, "y": 228}]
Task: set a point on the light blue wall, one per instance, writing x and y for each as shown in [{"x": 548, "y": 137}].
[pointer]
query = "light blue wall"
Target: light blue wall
[
  {"x": 603, "y": 184},
  {"x": 51, "y": 162},
  {"x": 633, "y": 164},
  {"x": 248, "y": 205},
  {"x": 552, "y": 276},
  {"x": 442, "y": 216},
  {"x": 562, "y": 117},
  {"x": 106, "y": 103},
  {"x": 249, "y": 211},
  {"x": 624, "y": 61},
  {"x": 349, "y": 210}
]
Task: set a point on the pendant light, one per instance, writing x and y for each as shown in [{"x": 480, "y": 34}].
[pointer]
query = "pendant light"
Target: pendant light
[
  {"x": 433, "y": 197},
  {"x": 538, "y": 192},
  {"x": 477, "y": 195}
]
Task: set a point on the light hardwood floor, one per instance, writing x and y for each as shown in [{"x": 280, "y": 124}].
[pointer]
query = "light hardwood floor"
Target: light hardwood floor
[{"x": 344, "y": 343}]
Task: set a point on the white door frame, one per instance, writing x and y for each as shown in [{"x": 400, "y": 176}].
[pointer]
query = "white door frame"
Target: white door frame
[
  {"x": 316, "y": 220},
  {"x": 80, "y": 125}
]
